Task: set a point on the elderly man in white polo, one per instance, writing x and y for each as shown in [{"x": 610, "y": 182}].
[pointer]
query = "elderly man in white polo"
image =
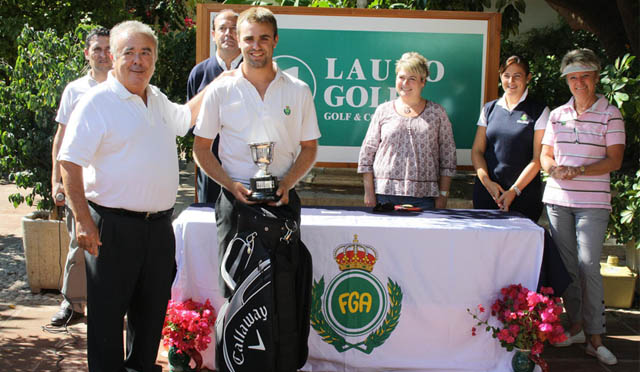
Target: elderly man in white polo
[{"x": 123, "y": 134}]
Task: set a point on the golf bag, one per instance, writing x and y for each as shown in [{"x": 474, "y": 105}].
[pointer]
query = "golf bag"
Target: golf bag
[{"x": 264, "y": 325}]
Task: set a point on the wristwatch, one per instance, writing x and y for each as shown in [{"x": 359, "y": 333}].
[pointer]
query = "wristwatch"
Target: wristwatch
[{"x": 444, "y": 193}]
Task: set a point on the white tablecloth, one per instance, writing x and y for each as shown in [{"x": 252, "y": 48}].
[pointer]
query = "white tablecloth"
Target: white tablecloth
[{"x": 444, "y": 262}]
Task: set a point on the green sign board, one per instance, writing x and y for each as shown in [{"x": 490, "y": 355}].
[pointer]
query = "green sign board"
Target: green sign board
[{"x": 351, "y": 79}]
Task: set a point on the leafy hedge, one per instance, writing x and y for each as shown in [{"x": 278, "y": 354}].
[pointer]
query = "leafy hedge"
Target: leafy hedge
[
  {"x": 28, "y": 105},
  {"x": 176, "y": 58}
]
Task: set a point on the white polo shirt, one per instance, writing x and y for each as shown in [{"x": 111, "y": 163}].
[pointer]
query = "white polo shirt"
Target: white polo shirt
[
  {"x": 72, "y": 94},
  {"x": 128, "y": 150},
  {"x": 233, "y": 108}
]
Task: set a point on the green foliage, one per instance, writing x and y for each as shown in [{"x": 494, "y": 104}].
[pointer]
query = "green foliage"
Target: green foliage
[
  {"x": 64, "y": 15},
  {"x": 60, "y": 15},
  {"x": 163, "y": 15},
  {"x": 511, "y": 10},
  {"x": 621, "y": 85},
  {"x": 45, "y": 63},
  {"x": 176, "y": 58},
  {"x": 545, "y": 57},
  {"x": 624, "y": 225}
]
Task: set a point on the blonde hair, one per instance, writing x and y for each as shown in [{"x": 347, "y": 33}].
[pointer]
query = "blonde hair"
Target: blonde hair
[
  {"x": 415, "y": 63},
  {"x": 131, "y": 27}
]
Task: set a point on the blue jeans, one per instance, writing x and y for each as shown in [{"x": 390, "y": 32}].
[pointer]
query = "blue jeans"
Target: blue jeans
[
  {"x": 579, "y": 235},
  {"x": 424, "y": 203}
]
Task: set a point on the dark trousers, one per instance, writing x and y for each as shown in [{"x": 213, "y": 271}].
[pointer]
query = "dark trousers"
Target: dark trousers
[
  {"x": 227, "y": 221},
  {"x": 206, "y": 188},
  {"x": 132, "y": 275}
]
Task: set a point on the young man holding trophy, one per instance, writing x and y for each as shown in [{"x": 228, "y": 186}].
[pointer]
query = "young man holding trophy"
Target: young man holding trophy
[
  {"x": 256, "y": 108},
  {"x": 268, "y": 132}
]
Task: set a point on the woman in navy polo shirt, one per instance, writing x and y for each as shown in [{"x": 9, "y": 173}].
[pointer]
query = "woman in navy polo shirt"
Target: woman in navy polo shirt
[{"x": 506, "y": 149}]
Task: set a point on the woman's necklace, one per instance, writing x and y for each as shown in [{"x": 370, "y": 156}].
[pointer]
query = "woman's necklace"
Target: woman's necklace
[{"x": 408, "y": 108}]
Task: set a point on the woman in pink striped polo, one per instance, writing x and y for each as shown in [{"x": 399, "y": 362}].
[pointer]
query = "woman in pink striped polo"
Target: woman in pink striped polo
[{"x": 583, "y": 142}]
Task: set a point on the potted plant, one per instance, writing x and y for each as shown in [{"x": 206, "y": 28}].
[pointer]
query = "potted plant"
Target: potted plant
[
  {"x": 186, "y": 331},
  {"x": 526, "y": 320},
  {"x": 29, "y": 100}
]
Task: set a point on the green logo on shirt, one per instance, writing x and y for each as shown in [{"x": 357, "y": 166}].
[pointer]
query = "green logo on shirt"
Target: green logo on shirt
[
  {"x": 524, "y": 117},
  {"x": 287, "y": 110}
]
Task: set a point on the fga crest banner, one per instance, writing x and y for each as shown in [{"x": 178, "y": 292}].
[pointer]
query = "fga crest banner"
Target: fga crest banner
[
  {"x": 355, "y": 311},
  {"x": 347, "y": 57}
]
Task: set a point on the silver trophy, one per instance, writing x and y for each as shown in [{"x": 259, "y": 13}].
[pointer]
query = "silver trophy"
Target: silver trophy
[{"x": 263, "y": 184}]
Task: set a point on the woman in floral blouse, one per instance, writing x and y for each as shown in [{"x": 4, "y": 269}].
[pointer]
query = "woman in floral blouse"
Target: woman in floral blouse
[{"x": 408, "y": 155}]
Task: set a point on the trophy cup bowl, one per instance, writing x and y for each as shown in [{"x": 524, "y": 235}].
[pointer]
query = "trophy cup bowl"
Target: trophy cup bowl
[{"x": 263, "y": 184}]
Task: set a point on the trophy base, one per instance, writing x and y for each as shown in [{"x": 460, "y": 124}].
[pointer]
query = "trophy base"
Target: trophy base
[
  {"x": 262, "y": 197},
  {"x": 263, "y": 189}
]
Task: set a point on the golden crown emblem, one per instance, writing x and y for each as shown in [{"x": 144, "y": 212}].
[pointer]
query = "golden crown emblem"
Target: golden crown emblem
[{"x": 355, "y": 255}]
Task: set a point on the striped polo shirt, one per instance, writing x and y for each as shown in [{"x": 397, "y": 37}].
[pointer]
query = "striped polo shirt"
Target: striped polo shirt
[{"x": 582, "y": 140}]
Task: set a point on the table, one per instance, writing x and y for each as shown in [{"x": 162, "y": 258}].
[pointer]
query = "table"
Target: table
[{"x": 429, "y": 268}]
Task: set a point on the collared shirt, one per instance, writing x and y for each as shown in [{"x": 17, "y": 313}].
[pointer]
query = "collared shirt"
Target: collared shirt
[
  {"x": 509, "y": 137},
  {"x": 234, "y": 63},
  {"x": 541, "y": 123},
  {"x": 407, "y": 156},
  {"x": 127, "y": 149},
  {"x": 72, "y": 94},
  {"x": 233, "y": 108},
  {"x": 579, "y": 140}
]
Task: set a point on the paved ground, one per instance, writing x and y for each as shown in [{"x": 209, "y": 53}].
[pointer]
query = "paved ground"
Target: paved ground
[{"x": 28, "y": 344}]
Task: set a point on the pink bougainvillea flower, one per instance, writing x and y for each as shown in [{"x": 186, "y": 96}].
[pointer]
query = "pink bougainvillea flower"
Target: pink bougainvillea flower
[{"x": 528, "y": 318}]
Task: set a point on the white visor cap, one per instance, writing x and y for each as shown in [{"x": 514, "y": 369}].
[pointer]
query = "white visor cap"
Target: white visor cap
[{"x": 577, "y": 67}]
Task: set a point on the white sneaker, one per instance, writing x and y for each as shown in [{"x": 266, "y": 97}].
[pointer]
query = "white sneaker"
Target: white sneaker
[
  {"x": 578, "y": 338},
  {"x": 602, "y": 353}
]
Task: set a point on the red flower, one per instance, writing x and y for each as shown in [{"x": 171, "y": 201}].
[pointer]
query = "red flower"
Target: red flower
[{"x": 187, "y": 325}]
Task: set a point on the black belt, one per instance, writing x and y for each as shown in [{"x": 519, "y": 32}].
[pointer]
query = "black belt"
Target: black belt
[{"x": 134, "y": 214}]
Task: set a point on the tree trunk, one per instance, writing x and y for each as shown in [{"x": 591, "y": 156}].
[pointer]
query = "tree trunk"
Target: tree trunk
[
  {"x": 630, "y": 13},
  {"x": 615, "y": 23}
]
